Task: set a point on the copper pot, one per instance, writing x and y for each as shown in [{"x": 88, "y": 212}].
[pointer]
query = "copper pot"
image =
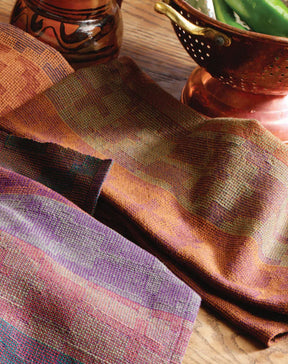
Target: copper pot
[
  {"x": 82, "y": 30},
  {"x": 240, "y": 73}
]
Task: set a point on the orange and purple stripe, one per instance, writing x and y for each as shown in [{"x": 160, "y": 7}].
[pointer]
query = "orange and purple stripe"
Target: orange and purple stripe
[{"x": 74, "y": 288}]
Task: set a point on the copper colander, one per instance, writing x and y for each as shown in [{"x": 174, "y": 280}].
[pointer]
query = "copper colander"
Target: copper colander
[{"x": 241, "y": 73}]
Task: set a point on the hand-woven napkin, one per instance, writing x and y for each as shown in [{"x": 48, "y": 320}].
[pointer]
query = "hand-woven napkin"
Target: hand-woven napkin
[
  {"x": 207, "y": 196},
  {"x": 74, "y": 291}
]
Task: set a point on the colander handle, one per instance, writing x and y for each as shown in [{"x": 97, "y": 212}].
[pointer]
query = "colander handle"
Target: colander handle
[{"x": 220, "y": 38}]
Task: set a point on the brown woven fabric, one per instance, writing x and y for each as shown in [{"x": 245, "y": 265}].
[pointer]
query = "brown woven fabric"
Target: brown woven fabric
[
  {"x": 207, "y": 196},
  {"x": 26, "y": 67}
]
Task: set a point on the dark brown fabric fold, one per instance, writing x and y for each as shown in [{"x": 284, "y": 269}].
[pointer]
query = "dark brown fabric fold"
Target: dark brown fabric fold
[{"x": 76, "y": 176}]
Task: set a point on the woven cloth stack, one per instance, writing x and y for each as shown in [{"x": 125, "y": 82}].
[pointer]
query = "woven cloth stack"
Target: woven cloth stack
[{"x": 121, "y": 208}]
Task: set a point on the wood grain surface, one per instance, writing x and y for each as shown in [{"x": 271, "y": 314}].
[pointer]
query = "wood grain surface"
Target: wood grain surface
[{"x": 151, "y": 42}]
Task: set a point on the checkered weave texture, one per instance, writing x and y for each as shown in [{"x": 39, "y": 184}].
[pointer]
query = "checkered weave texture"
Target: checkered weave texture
[
  {"x": 208, "y": 196},
  {"x": 26, "y": 67}
]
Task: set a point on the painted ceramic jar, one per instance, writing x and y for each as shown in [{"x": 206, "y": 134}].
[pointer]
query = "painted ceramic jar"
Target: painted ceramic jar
[{"x": 82, "y": 30}]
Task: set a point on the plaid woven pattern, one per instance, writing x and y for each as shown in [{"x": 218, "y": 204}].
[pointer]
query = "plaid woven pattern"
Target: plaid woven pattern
[{"x": 207, "y": 196}]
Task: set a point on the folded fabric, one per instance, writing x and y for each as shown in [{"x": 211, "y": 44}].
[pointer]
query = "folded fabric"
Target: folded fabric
[
  {"x": 207, "y": 196},
  {"x": 72, "y": 290},
  {"x": 76, "y": 176},
  {"x": 75, "y": 291}
]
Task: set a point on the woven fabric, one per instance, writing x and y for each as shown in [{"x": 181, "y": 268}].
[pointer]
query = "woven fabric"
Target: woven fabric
[
  {"x": 207, "y": 196},
  {"x": 26, "y": 67},
  {"x": 76, "y": 176},
  {"x": 72, "y": 290},
  {"x": 75, "y": 291}
]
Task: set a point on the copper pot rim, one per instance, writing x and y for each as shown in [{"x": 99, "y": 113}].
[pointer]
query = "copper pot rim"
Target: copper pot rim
[{"x": 230, "y": 29}]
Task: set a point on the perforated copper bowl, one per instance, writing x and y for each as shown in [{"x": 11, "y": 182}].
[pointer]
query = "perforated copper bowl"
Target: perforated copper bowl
[
  {"x": 246, "y": 60},
  {"x": 241, "y": 73}
]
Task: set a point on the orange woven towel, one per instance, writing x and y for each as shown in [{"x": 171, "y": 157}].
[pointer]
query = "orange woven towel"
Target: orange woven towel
[{"x": 207, "y": 196}]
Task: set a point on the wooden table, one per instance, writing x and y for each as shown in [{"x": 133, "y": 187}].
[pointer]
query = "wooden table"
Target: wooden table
[{"x": 151, "y": 42}]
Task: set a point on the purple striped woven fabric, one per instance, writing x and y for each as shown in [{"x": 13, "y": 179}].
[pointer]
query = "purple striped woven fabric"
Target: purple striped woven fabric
[{"x": 73, "y": 290}]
